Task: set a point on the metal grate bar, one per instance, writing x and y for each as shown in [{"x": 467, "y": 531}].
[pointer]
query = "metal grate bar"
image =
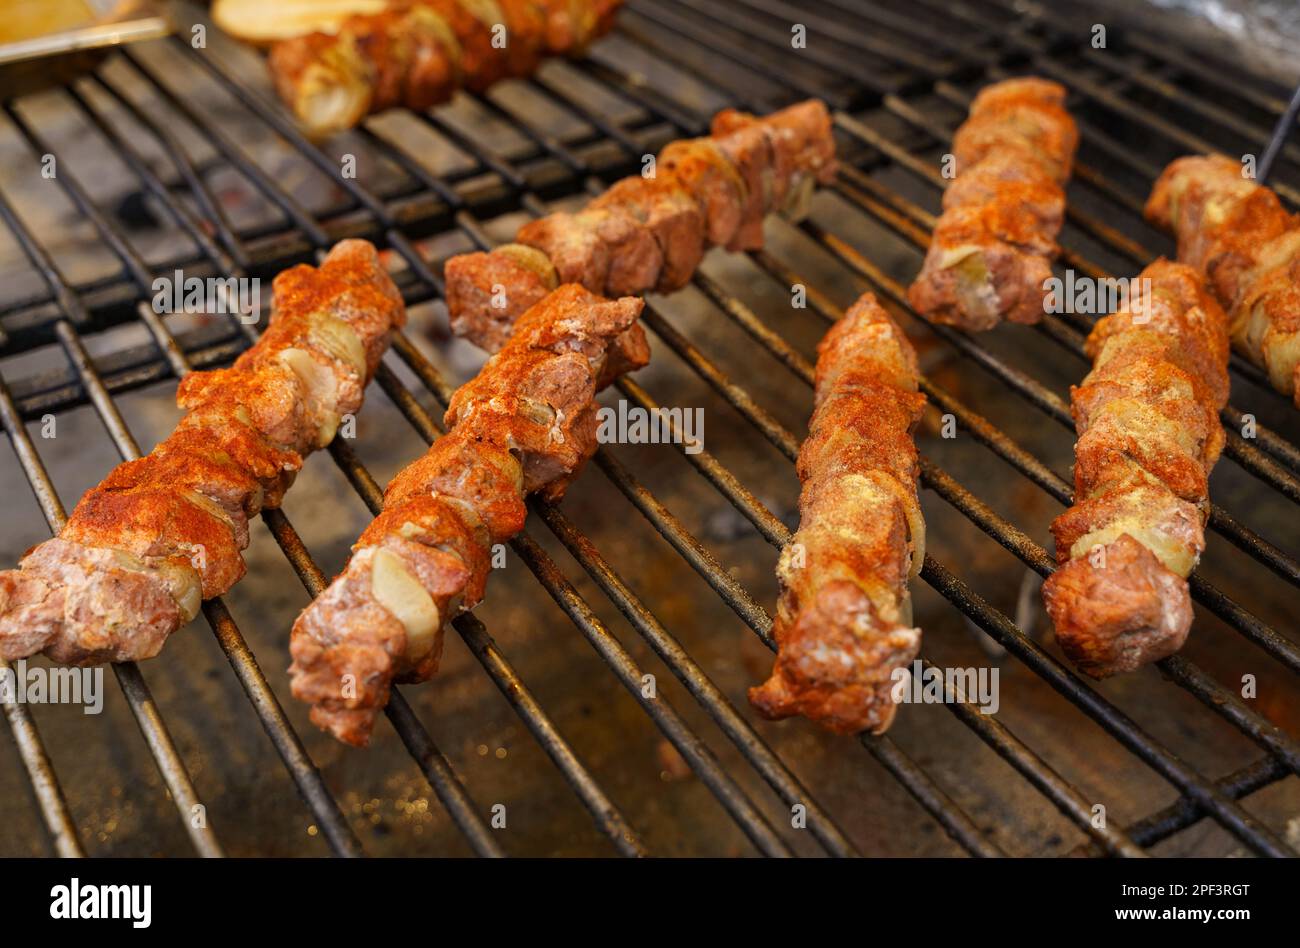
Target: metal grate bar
[
  {"x": 1113, "y": 102},
  {"x": 1184, "y": 813}
]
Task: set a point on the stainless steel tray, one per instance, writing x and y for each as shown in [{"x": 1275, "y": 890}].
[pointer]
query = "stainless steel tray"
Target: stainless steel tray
[{"x": 43, "y": 42}]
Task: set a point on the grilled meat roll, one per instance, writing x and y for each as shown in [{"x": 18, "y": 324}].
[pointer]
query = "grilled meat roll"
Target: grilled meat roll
[
  {"x": 844, "y": 619},
  {"x": 1149, "y": 433},
  {"x": 1238, "y": 234},
  {"x": 164, "y": 532},
  {"x": 992, "y": 247},
  {"x": 526, "y": 424},
  {"x": 417, "y": 53},
  {"x": 651, "y": 233}
]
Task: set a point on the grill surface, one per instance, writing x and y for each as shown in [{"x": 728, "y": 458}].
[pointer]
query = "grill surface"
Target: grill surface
[{"x": 1182, "y": 763}]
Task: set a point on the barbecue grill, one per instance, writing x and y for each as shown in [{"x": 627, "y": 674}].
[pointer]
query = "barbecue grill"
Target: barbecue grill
[{"x": 661, "y": 558}]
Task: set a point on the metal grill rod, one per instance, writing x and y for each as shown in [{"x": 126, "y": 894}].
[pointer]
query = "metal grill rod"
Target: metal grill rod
[
  {"x": 1183, "y": 813},
  {"x": 1114, "y": 103},
  {"x": 839, "y": 32},
  {"x": 1133, "y": 73}
]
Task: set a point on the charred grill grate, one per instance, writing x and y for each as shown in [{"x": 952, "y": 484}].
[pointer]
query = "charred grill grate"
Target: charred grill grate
[{"x": 890, "y": 70}]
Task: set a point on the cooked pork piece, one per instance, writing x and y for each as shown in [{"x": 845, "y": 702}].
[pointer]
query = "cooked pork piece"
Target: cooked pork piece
[
  {"x": 526, "y": 424},
  {"x": 986, "y": 263},
  {"x": 495, "y": 289},
  {"x": 663, "y": 207},
  {"x": 700, "y": 166},
  {"x": 1237, "y": 233},
  {"x": 796, "y": 152},
  {"x": 606, "y": 249},
  {"x": 844, "y": 620},
  {"x": 164, "y": 532},
  {"x": 993, "y": 245},
  {"x": 1149, "y": 433}
]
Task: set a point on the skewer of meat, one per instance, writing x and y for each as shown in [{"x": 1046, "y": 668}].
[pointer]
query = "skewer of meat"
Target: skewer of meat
[
  {"x": 993, "y": 246},
  {"x": 1149, "y": 433},
  {"x": 844, "y": 618},
  {"x": 417, "y": 53},
  {"x": 1237, "y": 233},
  {"x": 164, "y": 532},
  {"x": 650, "y": 233},
  {"x": 526, "y": 424}
]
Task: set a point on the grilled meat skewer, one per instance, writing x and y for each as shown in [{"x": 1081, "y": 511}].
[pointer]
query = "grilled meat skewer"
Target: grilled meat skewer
[
  {"x": 526, "y": 424},
  {"x": 417, "y": 53},
  {"x": 992, "y": 247},
  {"x": 1149, "y": 433},
  {"x": 162, "y": 533},
  {"x": 1237, "y": 233},
  {"x": 651, "y": 233},
  {"x": 844, "y": 619}
]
